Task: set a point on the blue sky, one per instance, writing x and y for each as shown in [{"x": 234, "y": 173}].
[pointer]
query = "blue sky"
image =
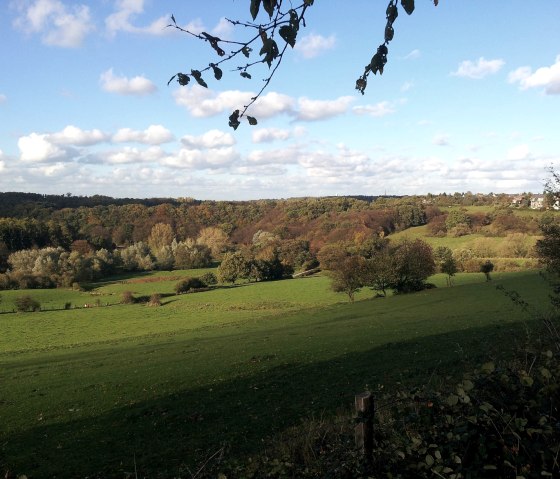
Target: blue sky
[{"x": 469, "y": 101}]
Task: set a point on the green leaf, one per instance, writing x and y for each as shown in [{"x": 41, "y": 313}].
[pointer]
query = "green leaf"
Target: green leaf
[
  {"x": 255, "y": 5},
  {"x": 429, "y": 460},
  {"x": 289, "y": 34},
  {"x": 408, "y": 6},
  {"x": 452, "y": 400},
  {"x": 252, "y": 120},
  {"x": 198, "y": 77},
  {"x": 308, "y": 2},
  {"x": 488, "y": 367},
  {"x": 245, "y": 75},
  {"x": 217, "y": 72}
]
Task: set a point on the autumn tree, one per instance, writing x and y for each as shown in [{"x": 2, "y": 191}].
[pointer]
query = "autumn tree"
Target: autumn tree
[
  {"x": 161, "y": 235},
  {"x": 215, "y": 238}
]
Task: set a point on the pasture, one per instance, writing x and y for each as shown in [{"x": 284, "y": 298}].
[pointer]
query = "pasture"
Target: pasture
[{"x": 120, "y": 390}]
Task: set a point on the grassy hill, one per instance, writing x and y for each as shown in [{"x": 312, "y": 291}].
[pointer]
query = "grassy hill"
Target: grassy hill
[{"x": 108, "y": 390}]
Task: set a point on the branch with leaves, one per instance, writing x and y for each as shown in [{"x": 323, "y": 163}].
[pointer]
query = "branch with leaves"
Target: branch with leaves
[{"x": 281, "y": 23}]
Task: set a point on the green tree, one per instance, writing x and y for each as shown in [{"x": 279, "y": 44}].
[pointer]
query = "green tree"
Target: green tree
[
  {"x": 413, "y": 262},
  {"x": 348, "y": 275},
  {"x": 233, "y": 267},
  {"x": 379, "y": 271}
]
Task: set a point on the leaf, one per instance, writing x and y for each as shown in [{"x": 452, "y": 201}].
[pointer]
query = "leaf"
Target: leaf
[
  {"x": 269, "y": 6},
  {"x": 252, "y": 120},
  {"x": 294, "y": 19},
  {"x": 361, "y": 84},
  {"x": 392, "y": 12},
  {"x": 488, "y": 367},
  {"x": 246, "y": 51},
  {"x": 269, "y": 50},
  {"x": 198, "y": 77},
  {"x": 245, "y": 75},
  {"x": 255, "y": 5},
  {"x": 452, "y": 400},
  {"x": 389, "y": 32},
  {"x": 289, "y": 34},
  {"x": 234, "y": 120},
  {"x": 436, "y": 2},
  {"x": 182, "y": 79},
  {"x": 429, "y": 460},
  {"x": 408, "y": 6},
  {"x": 217, "y": 72},
  {"x": 308, "y": 2}
]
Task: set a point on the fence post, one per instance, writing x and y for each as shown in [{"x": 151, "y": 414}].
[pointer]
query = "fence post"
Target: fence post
[{"x": 364, "y": 428}]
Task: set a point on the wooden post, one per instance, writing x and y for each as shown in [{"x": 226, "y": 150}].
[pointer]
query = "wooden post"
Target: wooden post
[{"x": 364, "y": 428}]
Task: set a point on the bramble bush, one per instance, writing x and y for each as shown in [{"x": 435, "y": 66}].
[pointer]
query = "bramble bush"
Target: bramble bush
[{"x": 497, "y": 422}]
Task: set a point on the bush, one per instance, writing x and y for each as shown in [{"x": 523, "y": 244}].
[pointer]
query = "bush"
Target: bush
[
  {"x": 155, "y": 300},
  {"x": 127, "y": 297},
  {"x": 27, "y": 303},
  {"x": 67, "y": 305},
  {"x": 209, "y": 279},
  {"x": 188, "y": 285}
]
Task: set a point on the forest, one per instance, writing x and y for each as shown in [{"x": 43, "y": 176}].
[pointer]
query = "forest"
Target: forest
[{"x": 53, "y": 241}]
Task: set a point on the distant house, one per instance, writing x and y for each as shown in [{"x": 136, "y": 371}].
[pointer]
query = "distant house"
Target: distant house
[
  {"x": 537, "y": 202},
  {"x": 517, "y": 200}
]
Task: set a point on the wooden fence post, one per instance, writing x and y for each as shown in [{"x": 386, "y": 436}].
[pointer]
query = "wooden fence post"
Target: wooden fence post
[{"x": 364, "y": 428}]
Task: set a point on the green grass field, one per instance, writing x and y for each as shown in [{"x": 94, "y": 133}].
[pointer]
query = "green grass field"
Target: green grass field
[{"x": 101, "y": 391}]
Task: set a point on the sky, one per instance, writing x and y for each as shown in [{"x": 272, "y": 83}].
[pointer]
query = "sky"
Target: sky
[{"x": 469, "y": 101}]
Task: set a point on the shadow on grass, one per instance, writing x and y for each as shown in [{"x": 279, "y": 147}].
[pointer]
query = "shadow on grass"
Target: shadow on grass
[{"x": 162, "y": 436}]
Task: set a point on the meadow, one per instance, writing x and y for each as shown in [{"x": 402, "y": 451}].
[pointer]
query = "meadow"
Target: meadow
[{"x": 129, "y": 390}]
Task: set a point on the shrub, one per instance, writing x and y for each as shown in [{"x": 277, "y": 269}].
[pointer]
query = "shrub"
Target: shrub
[
  {"x": 67, "y": 305},
  {"x": 127, "y": 297},
  {"x": 155, "y": 300},
  {"x": 189, "y": 284},
  {"x": 27, "y": 303},
  {"x": 209, "y": 278}
]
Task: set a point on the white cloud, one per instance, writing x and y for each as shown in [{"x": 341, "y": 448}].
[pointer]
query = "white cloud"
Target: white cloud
[
  {"x": 3, "y": 98},
  {"x": 268, "y": 135},
  {"x": 413, "y": 55},
  {"x": 378, "y": 110},
  {"x": 2, "y": 162},
  {"x": 153, "y": 135},
  {"x": 519, "y": 152},
  {"x": 72, "y": 135},
  {"x": 406, "y": 86},
  {"x": 58, "y": 24},
  {"x": 479, "y": 69},
  {"x": 441, "y": 139},
  {"x": 134, "y": 155},
  {"x": 547, "y": 77},
  {"x": 38, "y": 148},
  {"x": 126, "y": 10},
  {"x": 281, "y": 156},
  {"x": 313, "y": 110},
  {"x": 138, "y": 85},
  {"x": 211, "y": 139},
  {"x": 212, "y": 159},
  {"x": 313, "y": 45},
  {"x": 202, "y": 102}
]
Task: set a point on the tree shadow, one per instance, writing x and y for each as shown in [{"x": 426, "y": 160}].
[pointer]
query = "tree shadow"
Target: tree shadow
[{"x": 160, "y": 437}]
